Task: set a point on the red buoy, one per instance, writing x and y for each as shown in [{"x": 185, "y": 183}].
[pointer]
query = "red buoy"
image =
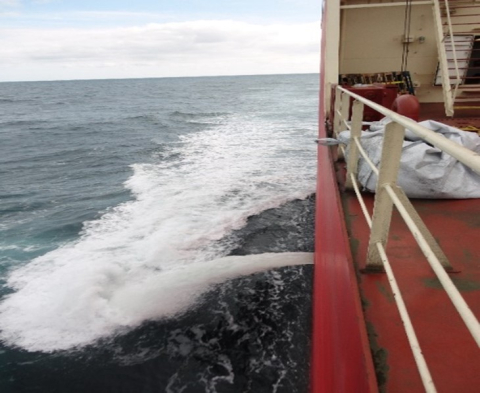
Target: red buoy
[{"x": 407, "y": 105}]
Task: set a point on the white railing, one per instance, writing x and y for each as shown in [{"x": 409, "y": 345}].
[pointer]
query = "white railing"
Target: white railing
[
  {"x": 389, "y": 194},
  {"x": 458, "y": 81},
  {"x": 442, "y": 57}
]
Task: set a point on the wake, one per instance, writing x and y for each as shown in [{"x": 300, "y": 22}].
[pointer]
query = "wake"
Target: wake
[{"x": 49, "y": 322}]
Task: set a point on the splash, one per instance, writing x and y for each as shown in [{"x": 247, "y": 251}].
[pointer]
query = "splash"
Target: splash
[
  {"x": 50, "y": 324},
  {"x": 152, "y": 257}
]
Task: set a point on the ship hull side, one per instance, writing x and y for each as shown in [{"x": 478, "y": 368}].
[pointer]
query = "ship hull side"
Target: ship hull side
[{"x": 341, "y": 360}]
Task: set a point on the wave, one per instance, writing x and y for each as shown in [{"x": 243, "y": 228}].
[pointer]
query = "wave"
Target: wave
[
  {"x": 193, "y": 115},
  {"x": 23, "y": 122},
  {"x": 30, "y": 248},
  {"x": 151, "y": 257},
  {"x": 150, "y": 118},
  {"x": 5, "y": 100},
  {"x": 9, "y": 247},
  {"x": 47, "y": 156}
]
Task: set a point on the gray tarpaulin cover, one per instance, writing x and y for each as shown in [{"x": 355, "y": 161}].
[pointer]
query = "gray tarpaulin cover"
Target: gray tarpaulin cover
[{"x": 425, "y": 171}]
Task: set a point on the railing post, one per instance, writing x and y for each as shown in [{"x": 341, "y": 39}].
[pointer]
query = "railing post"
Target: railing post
[
  {"x": 382, "y": 210},
  {"x": 345, "y": 110},
  {"x": 343, "y": 118},
  {"x": 337, "y": 120},
  {"x": 342, "y": 110},
  {"x": 355, "y": 132}
]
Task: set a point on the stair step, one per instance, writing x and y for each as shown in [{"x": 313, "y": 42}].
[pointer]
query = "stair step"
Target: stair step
[
  {"x": 457, "y": 101},
  {"x": 455, "y": 4},
  {"x": 466, "y": 107}
]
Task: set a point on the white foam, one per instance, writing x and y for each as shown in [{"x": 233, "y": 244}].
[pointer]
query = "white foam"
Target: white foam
[
  {"x": 9, "y": 247},
  {"x": 150, "y": 258}
]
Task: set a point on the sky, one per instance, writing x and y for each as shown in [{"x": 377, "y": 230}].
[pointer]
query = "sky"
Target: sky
[{"x": 86, "y": 39}]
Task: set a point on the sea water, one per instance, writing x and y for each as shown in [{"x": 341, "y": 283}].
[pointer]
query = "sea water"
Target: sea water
[{"x": 120, "y": 200}]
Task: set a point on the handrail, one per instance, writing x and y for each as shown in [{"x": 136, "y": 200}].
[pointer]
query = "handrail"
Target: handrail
[
  {"x": 389, "y": 194},
  {"x": 461, "y": 153},
  {"x": 454, "y": 53},
  {"x": 412, "y": 337},
  {"x": 442, "y": 58},
  {"x": 409, "y": 330}
]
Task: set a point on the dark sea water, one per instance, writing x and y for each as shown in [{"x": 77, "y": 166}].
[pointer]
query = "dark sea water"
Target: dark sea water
[{"x": 120, "y": 200}]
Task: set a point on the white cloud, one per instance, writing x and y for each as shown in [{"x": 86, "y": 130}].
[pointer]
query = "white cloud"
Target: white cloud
[
  {"x": 76, "y": 17},
  {"x": 9, "y": 3},
  {"x": 214, "y": 47},
  {"x": 114, "y": 14}
]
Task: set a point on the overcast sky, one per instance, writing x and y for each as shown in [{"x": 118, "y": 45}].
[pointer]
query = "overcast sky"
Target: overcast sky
[{"x": 86, "y": 39}]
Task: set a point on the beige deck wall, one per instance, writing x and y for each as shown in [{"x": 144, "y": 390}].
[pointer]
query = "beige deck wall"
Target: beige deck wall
[{"x": 372, "y": 42}]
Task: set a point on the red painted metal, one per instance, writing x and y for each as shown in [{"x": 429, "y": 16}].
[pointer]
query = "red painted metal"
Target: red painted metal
[
  {"x": 407, "y": 105},
  {"x": 451, "y": 353},
  {"x": 383, "y": 94},
  {"x": 341, "y": 359}
]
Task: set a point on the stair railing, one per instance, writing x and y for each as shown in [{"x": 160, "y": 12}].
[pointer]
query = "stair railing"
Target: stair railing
[
  {"x": 442, "y": 58},
  {"x": 454, "y": 50}
]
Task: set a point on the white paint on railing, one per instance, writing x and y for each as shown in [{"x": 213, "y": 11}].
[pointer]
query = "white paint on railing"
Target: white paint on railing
[
  {"x": 383, "y": 207},
  {"x": 407, "y": 323},
  {"x": 442, "y": 58},
  {"x": 362, "y": 202},
  {"x": 459, "y": 302},
  {"x": 461, "y": 153},
  {"x": 365, "y": 156},
  {"x": 347, "y": 125},
  {"x": 345, "y": 106},
  {"x": 356, "y": 131},
  {"x": 455, "y": 296},
  {"x": 338, "y": 115},
  {"x": 454, "y": 50}
]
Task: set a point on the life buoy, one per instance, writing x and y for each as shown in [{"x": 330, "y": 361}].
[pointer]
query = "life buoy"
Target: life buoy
[{"x": 407, "y": 105}]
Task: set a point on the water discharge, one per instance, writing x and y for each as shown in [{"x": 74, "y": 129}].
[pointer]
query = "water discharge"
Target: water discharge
[
  {"x": 48, "y": 325},
  {"x": 150, "y": 258}
]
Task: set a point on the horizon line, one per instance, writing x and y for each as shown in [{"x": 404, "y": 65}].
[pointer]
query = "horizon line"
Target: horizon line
[{"x": 156, "y": 77}]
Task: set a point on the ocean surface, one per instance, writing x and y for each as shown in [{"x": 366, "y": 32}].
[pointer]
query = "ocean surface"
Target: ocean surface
[{"x": 130, "y": 211}]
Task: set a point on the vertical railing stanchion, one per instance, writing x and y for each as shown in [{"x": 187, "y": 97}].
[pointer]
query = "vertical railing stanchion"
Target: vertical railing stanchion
[
  {"x": 354, "y": 153},
  {"x": 345, "y": 111},
  {"x": 337, "y": 120},
  {"x": 383, "y": 206}
]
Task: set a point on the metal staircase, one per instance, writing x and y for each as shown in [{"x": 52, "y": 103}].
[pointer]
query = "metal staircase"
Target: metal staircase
[{"x": 458, "y": 22}]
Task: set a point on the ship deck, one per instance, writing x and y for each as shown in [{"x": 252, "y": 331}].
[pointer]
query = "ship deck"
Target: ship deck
[
  {"x": 451, "y": 353},
  {"x": 465, "y": 118}
]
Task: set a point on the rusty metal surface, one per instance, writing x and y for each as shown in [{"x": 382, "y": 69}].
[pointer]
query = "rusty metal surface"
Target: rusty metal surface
[
  {"x": 463, "y": 117},
  {"x": 451, "y": 353}
]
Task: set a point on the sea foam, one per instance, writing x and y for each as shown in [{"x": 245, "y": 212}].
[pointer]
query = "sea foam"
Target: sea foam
[{"x": 152, "y": 257}]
